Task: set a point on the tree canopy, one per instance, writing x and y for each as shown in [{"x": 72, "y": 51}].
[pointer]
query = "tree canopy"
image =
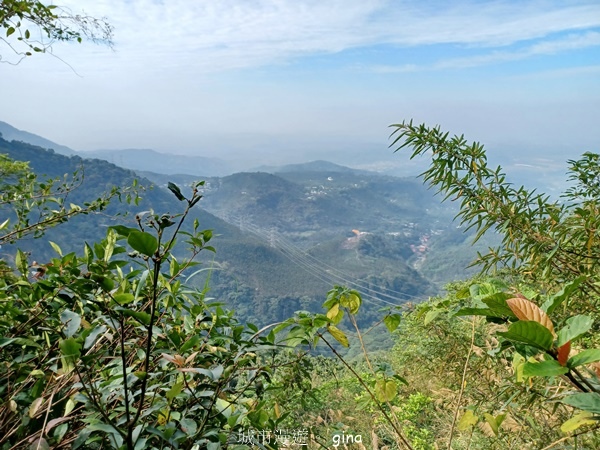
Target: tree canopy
[{"x": 31, "y": 26}]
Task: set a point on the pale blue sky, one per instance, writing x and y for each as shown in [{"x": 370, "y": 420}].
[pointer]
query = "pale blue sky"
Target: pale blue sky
[{"x": 206, "y": 76}]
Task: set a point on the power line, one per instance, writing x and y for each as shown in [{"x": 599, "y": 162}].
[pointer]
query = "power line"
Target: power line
[{"x": 333, "y": 276}]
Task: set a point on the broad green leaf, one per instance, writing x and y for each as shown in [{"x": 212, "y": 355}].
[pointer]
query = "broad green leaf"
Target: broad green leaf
[
  {"x": 70, "y": 348},
  {"x": 352, "y": 301},
  {"x": 124, "y": 298},
  {"x": 385, "y": 390},
  {"x": 530, "y": 333},
  {"x": 143, "y": 242},
  {"x": 588, "y": 401},
  {"x": 467, "y": 420},
  {"x": 224, "y": 407},
  {"x": 392, "y": 322},
  {"x": 578, "y": 420},
  {"x": 71, "y": 322},
  {"x": 188, "y": 426},
  {"x": 142, "y": 317},
  {"x": 547, "y": 368},
  {"x": 217, "y": 372},
  {"x": 91, "y": 338},
  {"x": 574, "y": 327},
  {"x": 82, "y": 437},
  {"x": 556, "y": 300},
  {"x": 498, "y": 306},
  {"x": 190, "y": 343},
  {"x": 175, "y": 390},
  {"x": 585, "y": 357},
  {"x": 338, "y": 335}
]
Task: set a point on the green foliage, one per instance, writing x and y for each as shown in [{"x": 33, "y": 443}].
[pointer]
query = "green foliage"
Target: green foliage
[
  {"x": 549, "y": 244},
  {"x": 32, "y": 26},
  {"x": 34, "y": 206},
  {"x": 544, "y": 238},
  {"x": 111, "y": 350}
]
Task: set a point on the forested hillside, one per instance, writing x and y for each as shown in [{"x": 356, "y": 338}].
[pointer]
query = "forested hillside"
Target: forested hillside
[
  {"x": 278, "y": 249},
  {"x": 112, "y": 303}
]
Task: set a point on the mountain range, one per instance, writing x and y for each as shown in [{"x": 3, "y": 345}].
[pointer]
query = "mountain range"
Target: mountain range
[{"x": 284, "y": 238}]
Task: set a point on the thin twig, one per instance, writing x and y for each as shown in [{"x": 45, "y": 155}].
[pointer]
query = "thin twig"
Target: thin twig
[{"x": 462, "y": 384}]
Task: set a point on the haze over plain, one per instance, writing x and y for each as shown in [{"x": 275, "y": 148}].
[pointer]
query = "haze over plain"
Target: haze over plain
[{"x": 281, "y": 81}]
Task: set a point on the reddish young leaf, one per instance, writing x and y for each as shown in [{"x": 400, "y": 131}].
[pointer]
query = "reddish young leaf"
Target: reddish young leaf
[{"x": 563, "y": 353}]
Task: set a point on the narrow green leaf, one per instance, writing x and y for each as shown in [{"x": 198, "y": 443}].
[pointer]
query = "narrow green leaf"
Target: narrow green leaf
[
  {"x": 585, "y": 357},
  {"x": 190, "y": 343},
  {"x": 338, "y": 335},
  {"x": 530, "y": 333},
  {"x": 141, "y": 283},
  {"x": 431, "y": 316},
  {"x": 557, "y": 299},
  {"x": 123, "y": 230},
  {"x": 578, "y": 420},
  {"x": 475, "y": 312},
  {"x": 176, "y": 191},
  {"x": 88, "y": 253},
  {"x": 588, "y": 401}
]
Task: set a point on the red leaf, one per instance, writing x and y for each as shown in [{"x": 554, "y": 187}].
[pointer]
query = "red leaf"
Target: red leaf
[{"x": 563, "y": 353}]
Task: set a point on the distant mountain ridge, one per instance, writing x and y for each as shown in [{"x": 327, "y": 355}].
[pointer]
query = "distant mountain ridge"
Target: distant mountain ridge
[
  {"x": 11, "y": 133},
  {"x": 148, "y": 160},
  {"x": 312, "y": 166}
]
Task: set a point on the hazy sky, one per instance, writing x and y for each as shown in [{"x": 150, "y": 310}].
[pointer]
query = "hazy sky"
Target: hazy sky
[{"x": 201, "y": 76}]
